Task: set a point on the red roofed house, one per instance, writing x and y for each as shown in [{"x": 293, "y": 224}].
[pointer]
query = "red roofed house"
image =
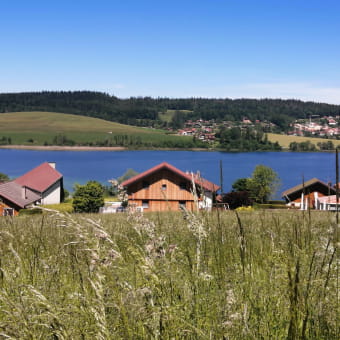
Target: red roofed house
[
  {"x": 14, "y": 197},
  {"x": 44, "y": 180},
  {"x": 164, "y": 188},
  {"x": 43, "y": 184},
  {"x": 307, "y": 194}
]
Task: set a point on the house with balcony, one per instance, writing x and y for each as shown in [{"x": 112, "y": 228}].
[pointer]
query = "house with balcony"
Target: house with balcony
[{"x": 166, "y": 188}]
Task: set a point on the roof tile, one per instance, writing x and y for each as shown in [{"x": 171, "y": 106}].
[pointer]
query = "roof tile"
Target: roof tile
[
  {"x": 305, "y": 185},
  {"x": 40, "y": 178},
  {"x": 207, "y": 185},
  {"x": 13, "y": 192}
]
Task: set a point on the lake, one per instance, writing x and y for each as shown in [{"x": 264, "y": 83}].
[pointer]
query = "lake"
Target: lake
[{"x": 81, "y": 166}]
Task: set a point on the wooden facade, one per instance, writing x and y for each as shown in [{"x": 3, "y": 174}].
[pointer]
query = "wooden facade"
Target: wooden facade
[
  {"x": 161, "y": 191},
  {"x": 8, "y": 209},
  {"x": 163, "y": 188}
]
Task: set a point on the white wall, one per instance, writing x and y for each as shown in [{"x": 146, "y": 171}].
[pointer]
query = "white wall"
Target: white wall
[
  {"x": 207, "y": 201},
  {"x": 52, "y": 194}
]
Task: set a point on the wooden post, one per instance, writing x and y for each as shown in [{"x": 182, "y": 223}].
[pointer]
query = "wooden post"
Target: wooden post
[
  {"x": 221, "y": 176},
  {"x": 337, "y": 184}
]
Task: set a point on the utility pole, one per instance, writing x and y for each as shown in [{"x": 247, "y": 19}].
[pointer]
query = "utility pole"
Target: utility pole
[{"x": 221, "y": 176}]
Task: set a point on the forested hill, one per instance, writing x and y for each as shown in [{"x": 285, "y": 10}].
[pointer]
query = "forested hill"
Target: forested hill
[{"x": 145, "y": 110}]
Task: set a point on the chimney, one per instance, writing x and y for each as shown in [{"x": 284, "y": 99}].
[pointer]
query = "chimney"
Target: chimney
[
  {"x": 23, "y": 193},
  {"x": 52, "y": 164}
]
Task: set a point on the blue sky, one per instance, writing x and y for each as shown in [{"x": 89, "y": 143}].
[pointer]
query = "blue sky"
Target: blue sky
[{"x": 217, "y": 49}]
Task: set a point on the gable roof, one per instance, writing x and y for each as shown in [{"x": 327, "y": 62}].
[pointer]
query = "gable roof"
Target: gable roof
[
  {"x": 307, "y": 184},
  {"x": 13, "y": 192},
  {"x": 201, "y": 182},
  {"x": 40, "y": 178}
]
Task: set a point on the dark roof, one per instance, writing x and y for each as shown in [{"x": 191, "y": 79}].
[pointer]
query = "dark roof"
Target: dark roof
[
  {"x": 40, "y": 178},
  {"x": 15, "y": 193},
  {"x": 307, "y": 184},
  {"x": 201, "y": 182}
]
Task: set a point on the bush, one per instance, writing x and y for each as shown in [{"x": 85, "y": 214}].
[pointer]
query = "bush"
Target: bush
[
  {"x": 34, "y": 211},
  {"x": 271, "y": 206},
  {"x": 237, "y": 199},
  {"x": 249, "y": 208},
  {"x": 88, "y": 198}
]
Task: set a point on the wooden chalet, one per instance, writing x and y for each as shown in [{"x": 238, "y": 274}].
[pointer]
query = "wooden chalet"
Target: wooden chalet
[
  {"x": 166, "y": 188},
  {"x": 305, "y": 195}
]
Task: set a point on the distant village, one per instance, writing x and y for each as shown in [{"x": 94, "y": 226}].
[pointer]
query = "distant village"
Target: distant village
[
  {"x": 316, "y": 126},
  {"x": 205, "y": 130},
  {"x": 326, "y": 126}
]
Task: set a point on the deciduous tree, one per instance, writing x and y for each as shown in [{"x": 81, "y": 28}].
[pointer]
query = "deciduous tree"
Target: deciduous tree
[
  {"x": 3, "y": 177},
  {"x": 263, "y": 183},
  {"x": 241, "y": 184}
]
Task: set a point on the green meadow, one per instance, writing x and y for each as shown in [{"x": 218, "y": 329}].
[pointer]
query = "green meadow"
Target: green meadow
[
  {"x": 168, "y": 115},
  {"x": 219, "y": 275},
  {"x": 38, "y": 128},
  {"x": 285, "y": 140}
]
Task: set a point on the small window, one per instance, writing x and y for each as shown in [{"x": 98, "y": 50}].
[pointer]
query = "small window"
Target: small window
[
  {"x": 181, "y": 204},
  {"x": 163, "y": 186},
  {"x": 183, "y": 186},
  {"x": 145, "y": 204},
  {"x": 8, "y": 212},
  {"x": 146, "y": 185}
]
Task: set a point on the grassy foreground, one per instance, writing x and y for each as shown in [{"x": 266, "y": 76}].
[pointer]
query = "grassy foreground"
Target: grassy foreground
[{"x": 256, "y": 275}]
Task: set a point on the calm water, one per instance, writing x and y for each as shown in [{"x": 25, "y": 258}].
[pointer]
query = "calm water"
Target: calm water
[{"x": 81, "y": 166}]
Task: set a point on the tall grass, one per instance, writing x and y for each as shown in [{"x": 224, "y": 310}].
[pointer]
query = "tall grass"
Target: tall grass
[{"x": 169, "y": 276}]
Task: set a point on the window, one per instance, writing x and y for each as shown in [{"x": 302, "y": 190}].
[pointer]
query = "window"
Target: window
[
  {"x": 181, "y": 204},
  {"x": 163, "y": 186},
  {"x": 146, "y": 185},
  {"x": 8, "y": 212},
  {"x": 183, "y": 186},
  {"x": 145, "y": 204}
]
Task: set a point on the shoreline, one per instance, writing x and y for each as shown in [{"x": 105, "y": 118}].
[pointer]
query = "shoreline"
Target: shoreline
[
  {"x": 87, "y": 148},
  {"x": 122, "y": 148},
  {"x": 63, "y": 148}
]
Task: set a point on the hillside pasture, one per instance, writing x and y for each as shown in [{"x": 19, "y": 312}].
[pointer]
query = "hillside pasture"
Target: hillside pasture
[
  {"x": 168, "y": 114},
  {"x": 38, "y": 128}
]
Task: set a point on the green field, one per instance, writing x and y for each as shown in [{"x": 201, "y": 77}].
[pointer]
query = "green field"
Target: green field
[
  {"x": 285, "y": 140},
  {"x": 256, "y": 275},
  {"x": 167, "y": 116},
  {"x": 37, "y": 128}
]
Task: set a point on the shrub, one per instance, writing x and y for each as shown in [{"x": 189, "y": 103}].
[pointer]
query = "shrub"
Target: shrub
[
  {"x": 34, "y": 211},
  {"x": 237, "y": 199},
  {"x": 89, "y": 197}
]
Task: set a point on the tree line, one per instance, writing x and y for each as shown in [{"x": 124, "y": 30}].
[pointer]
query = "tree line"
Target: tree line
[
  {"x": 144, "y": 111},
  {"x": 125, "y": 140},
  {"x": 237, "y": 139},
  {"x": 309, "y": 146}
]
